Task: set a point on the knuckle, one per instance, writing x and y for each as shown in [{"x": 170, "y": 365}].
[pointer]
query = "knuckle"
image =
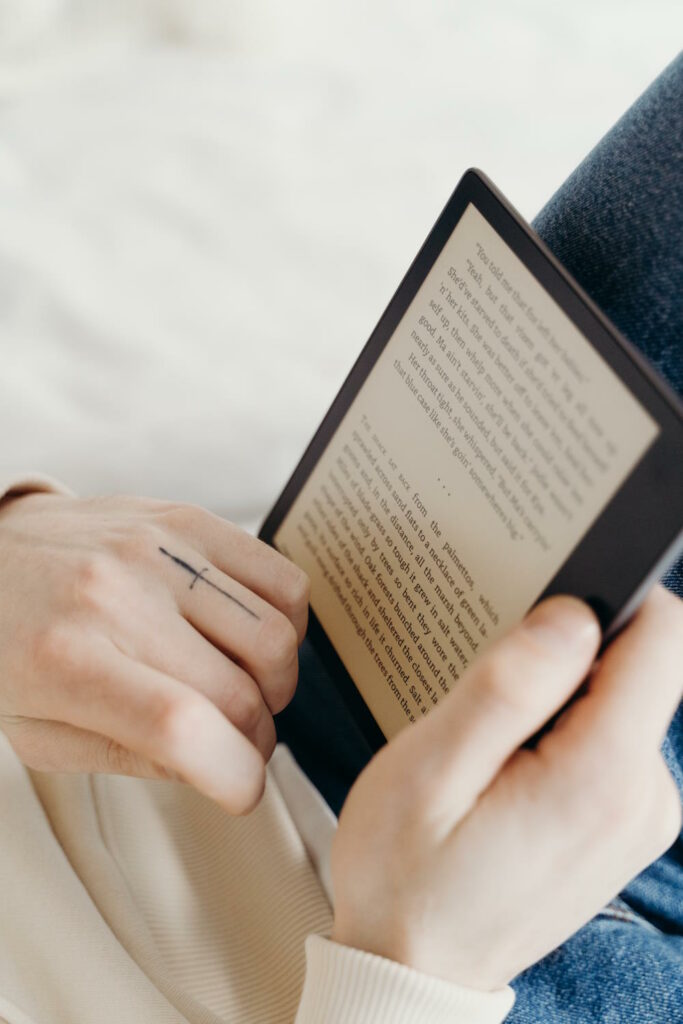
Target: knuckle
[
  {"x": 247, "y": 711},
  {"x": 666, "y": 603},
  {"x": 283, "y": 693},
  {"x": 618, "y": 806},
  {"x": 621, "y": 794},
  {"x": 277, "y": 642},
  {"x": 296, "y": 587},
  {"x": 249, "y": 795},
  {"x": 141, "y": 542},
  {"x": 181, "y": 516},
  {"x": 672, "y": 823},
  {"x": 114, "y": 758},
  {"x": 663, "y": 613},
  {"x": 94, "y": 579},
  {"x": 174, "y": 723},
  {"x": 618, "y": 781},
  {"x": 595, "y": 792},
  {"x": 501, "y": 688},
  {"x": 55, "y": 649},
  {"x": 268, "y": 738}
]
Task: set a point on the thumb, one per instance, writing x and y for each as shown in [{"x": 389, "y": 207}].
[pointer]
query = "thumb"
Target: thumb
[{"x": 512, "y": 690}]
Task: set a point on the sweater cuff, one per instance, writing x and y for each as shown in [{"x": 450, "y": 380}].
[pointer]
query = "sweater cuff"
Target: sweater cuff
[
  {"x": 14, "y": 486},
  {"x": 348, "y": 986}
]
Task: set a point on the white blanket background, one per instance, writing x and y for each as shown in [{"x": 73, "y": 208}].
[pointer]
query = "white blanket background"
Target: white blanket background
[{"x": 205, "y": 206}]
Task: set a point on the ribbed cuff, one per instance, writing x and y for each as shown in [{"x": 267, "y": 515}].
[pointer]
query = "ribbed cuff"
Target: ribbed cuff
[
  {"x": 348, "y": 986},
  {"x": 30, "y": 482}
]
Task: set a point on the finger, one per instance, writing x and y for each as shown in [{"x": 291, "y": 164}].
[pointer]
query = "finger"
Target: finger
[
  {"x": 160, "y": 719},
  {"x": 637, "y": 686},
  {"x": 59, "y": 747},
  {"x": 256, "y": 565},
  {"x": 504, "y": 698},
  {"x": 206, "y": 669},
  {"x": 253, "y": 633},
  {"x": 176, "y": 648}
]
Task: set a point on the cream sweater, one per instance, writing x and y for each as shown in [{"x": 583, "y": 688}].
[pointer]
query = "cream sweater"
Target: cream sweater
[{"x": 124, "y": 900}]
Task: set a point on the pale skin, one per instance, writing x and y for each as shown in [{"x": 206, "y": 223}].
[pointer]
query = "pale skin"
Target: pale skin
[{"x": 151, "y": 639}]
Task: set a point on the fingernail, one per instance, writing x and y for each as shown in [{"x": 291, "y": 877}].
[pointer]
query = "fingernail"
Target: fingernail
[{"x": 564, "y": 623}]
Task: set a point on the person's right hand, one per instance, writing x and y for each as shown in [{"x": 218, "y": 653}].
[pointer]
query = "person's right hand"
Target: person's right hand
[
  {"x": 145, "y": 638},
  {"x": 468, "y": 858}
]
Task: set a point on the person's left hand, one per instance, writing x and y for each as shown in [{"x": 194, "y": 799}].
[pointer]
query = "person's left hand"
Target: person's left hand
[{"x": 145, "y": 638}]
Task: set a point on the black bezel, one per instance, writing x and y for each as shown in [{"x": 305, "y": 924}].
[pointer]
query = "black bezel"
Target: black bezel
[{"x": 638, "y": 533}]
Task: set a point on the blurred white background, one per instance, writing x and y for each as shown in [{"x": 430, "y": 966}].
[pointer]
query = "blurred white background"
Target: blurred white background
[{"x": 206, "y": 205}]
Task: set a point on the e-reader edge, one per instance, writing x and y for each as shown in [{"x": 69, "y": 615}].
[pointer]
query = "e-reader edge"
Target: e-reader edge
[{"x": 637, "y": 535}]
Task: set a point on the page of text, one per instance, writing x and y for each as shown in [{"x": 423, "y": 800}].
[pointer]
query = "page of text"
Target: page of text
[{"x": 487, "y": 438}]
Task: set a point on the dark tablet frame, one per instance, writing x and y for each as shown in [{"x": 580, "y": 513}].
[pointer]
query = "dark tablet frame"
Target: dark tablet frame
[{"x": 640, "y": 530}]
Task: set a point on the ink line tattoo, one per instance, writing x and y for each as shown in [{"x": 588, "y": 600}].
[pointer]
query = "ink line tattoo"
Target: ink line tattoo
[{"x": 199, "y": 575}]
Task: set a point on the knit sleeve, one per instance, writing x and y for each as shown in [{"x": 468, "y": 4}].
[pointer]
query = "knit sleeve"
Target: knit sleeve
[
  {"x": 347, "y": 986},
  {"x": 15, "y": 485}
]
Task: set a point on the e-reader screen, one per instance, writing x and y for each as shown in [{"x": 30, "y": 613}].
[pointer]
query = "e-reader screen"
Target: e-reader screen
[{"x": 486, "y": 439}]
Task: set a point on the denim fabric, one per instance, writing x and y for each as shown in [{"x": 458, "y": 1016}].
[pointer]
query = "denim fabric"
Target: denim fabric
[{"x": 617, "y": 225}]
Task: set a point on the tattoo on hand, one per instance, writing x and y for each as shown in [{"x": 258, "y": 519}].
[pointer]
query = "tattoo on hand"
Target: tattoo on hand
[{"x": 199, "y": 575}]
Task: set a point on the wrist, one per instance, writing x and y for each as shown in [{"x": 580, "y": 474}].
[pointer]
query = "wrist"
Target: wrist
[
  {"x": 345, "y": 985},
  {"x": 407, "y": 947}
]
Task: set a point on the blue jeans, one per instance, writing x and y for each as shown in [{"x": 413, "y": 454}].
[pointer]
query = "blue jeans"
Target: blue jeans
[{"x": 617, "y": 225}]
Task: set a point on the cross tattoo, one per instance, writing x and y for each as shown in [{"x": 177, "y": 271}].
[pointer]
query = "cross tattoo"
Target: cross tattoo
[{"x": 199, "y": 575}]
